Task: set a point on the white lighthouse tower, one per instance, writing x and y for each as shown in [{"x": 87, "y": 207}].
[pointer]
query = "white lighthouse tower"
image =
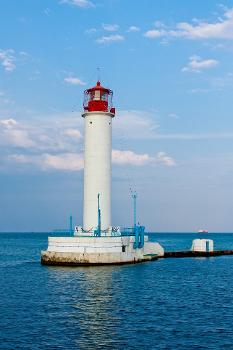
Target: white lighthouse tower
[
  {"x": 98, "y": 115},
  {"x": 97, "y": 242}
]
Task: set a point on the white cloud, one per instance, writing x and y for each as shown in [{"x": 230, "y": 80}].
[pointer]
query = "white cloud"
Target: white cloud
[
  {"x": 222, "y": 28},
  {"x": 164, "y": 159},
  {"x": 73, "y": 133},
  {"x": 8, "y": 122},
  {"x": 7, "y": 60},
  {"x": 11, "y": 134},
  {"x": 110, "y": 39},
  {"x": 60, "y": 135},
  {"x": 110, "y": 27},
  {"x": 74, "y": 81},
  {"x": 55, "y": 141},
  {"x": 91, "y": 31},
  {"x": 62, "y": 132},
  {"x": 129, "y": 157},
  {"x": 134, "y": 29},
  {"x": 63, "y": 162},
  {"x": 17, "y": 138},
  {"x": 70, "y": 161},
  {"x": 5, "y": 101},
  {"x": 78, "y": 3},
  {"x": 174, "y": 116},
  {"x": 23, "y": 53},
  {"x": 159, "y": 24},
  {"x": 199, "y": 90},
  {"x": 196, "y": 64},
  {"x": 135, "y": 124},
  {"x": 36, "y": 75},
  {"x": 74, "y": 161},
  {"x": 215, "y": 84},
  {"x": 47, "y": 11},
  {"x": 154, "y": 33},
  {"x": 223, "y": 81},
  {"x": 189, "y": 136}
]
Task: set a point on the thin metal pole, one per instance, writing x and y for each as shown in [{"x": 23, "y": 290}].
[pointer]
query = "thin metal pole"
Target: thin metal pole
[
  {"x": 135, "y": 211},
  {"x": 99, "y": 216},
  {"x": 71, "y": 225}
]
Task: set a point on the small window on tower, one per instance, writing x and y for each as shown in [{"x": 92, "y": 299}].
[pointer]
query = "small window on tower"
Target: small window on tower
[
  {"x": 123, "y": 248},
  {"x": 97, "y": 95},
  {"x": 90, "y": 122}
]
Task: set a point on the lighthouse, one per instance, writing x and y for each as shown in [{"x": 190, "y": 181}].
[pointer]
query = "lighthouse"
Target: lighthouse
[
  {"x": 98, "y": 115},
  {"x": 96, "y": 242}
]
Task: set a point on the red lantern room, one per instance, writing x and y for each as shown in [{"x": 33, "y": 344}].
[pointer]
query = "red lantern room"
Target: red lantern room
[{"x": 98, "y": 99}]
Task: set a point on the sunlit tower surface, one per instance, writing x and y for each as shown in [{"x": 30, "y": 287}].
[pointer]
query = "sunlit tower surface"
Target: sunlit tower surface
[{"x": 98, "y": 115}]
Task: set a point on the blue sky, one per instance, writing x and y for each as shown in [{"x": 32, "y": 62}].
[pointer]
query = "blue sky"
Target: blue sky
[{"x": 170, "y": 66}]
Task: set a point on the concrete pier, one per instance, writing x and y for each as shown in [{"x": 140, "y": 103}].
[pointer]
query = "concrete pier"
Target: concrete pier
[
  {"x": 74, "y": 259},
  {"x": 192, "y": 254},
  {"x": 89, "y": 250}
]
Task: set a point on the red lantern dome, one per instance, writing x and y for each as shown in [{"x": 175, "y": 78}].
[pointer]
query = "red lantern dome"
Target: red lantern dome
[{"x": 98, "y": 99}]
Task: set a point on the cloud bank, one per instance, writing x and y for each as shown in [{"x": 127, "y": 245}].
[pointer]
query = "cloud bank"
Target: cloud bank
[
  {"x": 56, "y": 143},
  {"x": 222, "y": 28}
]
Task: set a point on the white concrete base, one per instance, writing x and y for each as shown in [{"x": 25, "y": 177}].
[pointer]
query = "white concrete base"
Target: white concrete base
[{"x": 98, "y": 250}]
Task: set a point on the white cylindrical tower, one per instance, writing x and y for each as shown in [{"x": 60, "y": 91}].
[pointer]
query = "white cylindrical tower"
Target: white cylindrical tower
[{"x": 98, "y": 114}]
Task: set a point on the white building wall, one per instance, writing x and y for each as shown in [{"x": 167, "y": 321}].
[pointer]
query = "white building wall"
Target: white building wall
[
  {"x": 103, "y": 245},
  {"x": 201, "y": 245},
  {"x": 97, "y": 169}
]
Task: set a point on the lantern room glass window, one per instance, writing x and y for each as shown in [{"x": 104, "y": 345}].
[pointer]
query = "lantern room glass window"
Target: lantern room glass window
[
  {"x": 104, "y": 96},
  {"x": 96, "y": 95}
]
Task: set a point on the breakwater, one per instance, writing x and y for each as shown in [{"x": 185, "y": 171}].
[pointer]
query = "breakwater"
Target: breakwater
[{"x": 192, "y": 254}]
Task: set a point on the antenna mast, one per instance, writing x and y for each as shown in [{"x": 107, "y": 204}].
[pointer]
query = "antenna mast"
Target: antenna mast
[{"x": 134, "y": 196}]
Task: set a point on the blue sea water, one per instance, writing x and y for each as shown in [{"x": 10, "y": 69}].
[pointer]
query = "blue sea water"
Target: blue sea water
[{"x": 166, "y": 304}]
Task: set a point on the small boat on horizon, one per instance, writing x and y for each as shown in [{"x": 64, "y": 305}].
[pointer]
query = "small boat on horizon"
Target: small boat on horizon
[{"x": 203, "y": 231}]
